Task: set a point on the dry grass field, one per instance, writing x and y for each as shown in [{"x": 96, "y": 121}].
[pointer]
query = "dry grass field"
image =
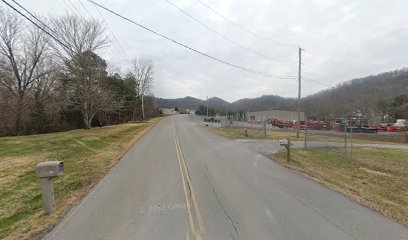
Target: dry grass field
[{"x": 87, "y": 154}]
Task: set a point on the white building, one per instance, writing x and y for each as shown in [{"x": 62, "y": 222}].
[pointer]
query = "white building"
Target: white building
[
  {"x": 401, "y": 123},
  {"x": 168, "y": 111},
  {"x": 275, "y": 114}
]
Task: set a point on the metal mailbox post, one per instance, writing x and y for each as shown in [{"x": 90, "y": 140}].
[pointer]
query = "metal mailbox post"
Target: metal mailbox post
[
  {"x": 46, "y": 171},
  {"x": 286, "y": 143}
]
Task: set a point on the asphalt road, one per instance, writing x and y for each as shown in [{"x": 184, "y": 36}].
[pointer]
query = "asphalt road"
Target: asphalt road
[{"x": 182, "y": 182}]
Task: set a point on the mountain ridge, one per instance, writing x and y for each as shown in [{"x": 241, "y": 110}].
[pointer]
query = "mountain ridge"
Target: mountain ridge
[{"x": 361, "y": 95}]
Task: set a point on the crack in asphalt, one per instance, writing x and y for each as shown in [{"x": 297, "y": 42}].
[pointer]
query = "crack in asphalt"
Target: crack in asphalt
[
  {"x": 321, "y": 213},
  {"x": 233, "y": 223}
]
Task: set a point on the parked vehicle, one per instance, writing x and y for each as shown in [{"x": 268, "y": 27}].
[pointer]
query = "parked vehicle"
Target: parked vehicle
[
  {"x": 315, "y": 125},
  {"x": 369, "y": 130},
  {"x": 283, "y": 124},
  {"x": 387, "y": 128},
  {"x": 211, "y": 119}
]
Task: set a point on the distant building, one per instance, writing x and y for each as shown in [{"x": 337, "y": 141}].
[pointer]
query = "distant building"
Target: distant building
[
  {"x": 401, "y": 123},
  {"x": 190, "y": 111},
  {"x": 275, "y": 114},
  {"x": 168, "y": 111}
]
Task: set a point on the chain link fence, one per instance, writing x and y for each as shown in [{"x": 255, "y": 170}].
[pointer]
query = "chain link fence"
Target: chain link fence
[
  {"x": 341, "y": 139},
  {"x": 370, "y": 166}
]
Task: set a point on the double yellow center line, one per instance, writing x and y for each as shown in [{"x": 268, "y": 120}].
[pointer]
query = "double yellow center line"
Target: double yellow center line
[{"x": 193, "y": 210}]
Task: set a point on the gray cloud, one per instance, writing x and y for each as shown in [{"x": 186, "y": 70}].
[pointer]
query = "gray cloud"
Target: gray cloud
[{"x": 363, "y": 37}]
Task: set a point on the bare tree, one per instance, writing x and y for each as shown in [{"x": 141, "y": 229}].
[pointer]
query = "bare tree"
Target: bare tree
[
  {"x": 23, "y": 54},
  {"x": 383, "y": 106},
  {"x": 88, "y": 88},
  {"x": 79, "y": 35},
  {"x": 143, "y": 71},
  {"x": 43, "y": 97},
  {"x": 85, "y": 70}
]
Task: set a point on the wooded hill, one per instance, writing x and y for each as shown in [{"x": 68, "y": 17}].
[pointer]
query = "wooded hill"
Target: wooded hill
[{"x": 371, "y": 96}]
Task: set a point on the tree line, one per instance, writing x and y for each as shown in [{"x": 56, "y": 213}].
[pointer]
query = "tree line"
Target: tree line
[
  {"x": 204, "y": 111},
  {"x": 49, "y": 85},
  {"x": 382, "y": 98}
]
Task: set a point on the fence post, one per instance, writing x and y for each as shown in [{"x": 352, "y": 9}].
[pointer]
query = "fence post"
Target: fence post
[
  {"x": 288, "y": 148},
  {"x": 264, "y": 127},
  {"x": 305, "y": 133},
  {"x": 351, "y": 143},
  {"x": 345, "y": 136}
]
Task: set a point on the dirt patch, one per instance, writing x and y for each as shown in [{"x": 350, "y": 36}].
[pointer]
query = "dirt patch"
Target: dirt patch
[{"x": 375, "y": 172}]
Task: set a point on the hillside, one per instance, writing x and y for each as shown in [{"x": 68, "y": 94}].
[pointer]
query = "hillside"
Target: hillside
[
  {"x": 186, "y": 102},
  {"x": 263, "y": 103},
  {"x": 371, "y": 96},
  {"x": 192, "y": 103},
  {"x": 267, "y": 102}
]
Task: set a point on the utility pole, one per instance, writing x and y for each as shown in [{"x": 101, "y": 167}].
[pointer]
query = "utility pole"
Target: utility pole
[
  {"x": 143, "y": 112},
  {"x": 299, "y": 90},
  {"x": 207, "y": 106}
]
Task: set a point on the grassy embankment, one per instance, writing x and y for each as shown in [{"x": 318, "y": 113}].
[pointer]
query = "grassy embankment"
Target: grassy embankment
[
  {"x": 375, "y": 177},
  {"x": 87, "y": 154}
]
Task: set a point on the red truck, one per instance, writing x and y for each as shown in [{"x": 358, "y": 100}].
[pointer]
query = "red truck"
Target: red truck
[{"x": 386, "y": 128}]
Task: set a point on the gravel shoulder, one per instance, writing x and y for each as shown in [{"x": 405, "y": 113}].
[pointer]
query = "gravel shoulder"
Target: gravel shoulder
[{"x": 267, "y": 147}]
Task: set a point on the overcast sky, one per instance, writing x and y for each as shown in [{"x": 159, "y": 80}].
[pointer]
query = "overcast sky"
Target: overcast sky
[{"x": 343, "y": 39}]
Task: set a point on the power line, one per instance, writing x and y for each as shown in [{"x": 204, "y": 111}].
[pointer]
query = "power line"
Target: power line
[
  {"x": 73, "y": 5},
  {"x": 103, "y": 19},
  {"x": 223, "y": 36},
  {"x": 86, "y": 10},
  {"x": 188, "y": 47},
  {"x": 245, "y": 29},
  {"x": 319, "y": 82},
  {"x": 92, "y": 16},
  {"x": 40, "y": 21},
  {"x": 22, "y": 14},
  {"x": 69, "y": 7},
  {"x": 334, "y": 62},
  {"x": 66, "y": 45},
  {"x": 81, "y": 15},
  {"x": 272, "y": 41}
]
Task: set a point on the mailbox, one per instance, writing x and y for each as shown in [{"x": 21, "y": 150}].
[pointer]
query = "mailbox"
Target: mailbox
[
  {"x": 49, "y": 169},
  {"x": 283, "y": 142},
  {"x": 286, "y": 143},
  {"x": 46, "y": 171}
]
